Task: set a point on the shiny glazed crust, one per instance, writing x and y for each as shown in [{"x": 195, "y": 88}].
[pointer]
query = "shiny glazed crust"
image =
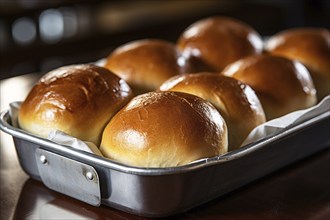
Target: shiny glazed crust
[
  {"x": 310, "y": 46},
  {"x": 164, "y": 129},
  {"x": 78, "y": 100},
  {"x": 282, "y": 85},
  {"x": 212, "y": 43},
  {"x": 144, "y": 64},
  {"x": 236, "y": 101}
]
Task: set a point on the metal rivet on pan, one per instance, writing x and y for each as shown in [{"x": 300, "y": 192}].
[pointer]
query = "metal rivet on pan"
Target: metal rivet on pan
[
  {"x": 89, "y": 175},
  {"x": 43, "y": 159}
]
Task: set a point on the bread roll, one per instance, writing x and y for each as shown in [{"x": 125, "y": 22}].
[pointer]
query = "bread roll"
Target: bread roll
[
  {"x": 77, "y": 99},
  {"x": 212, "y": 43},
  {"x": 310, "y": 46},
  {"x": 144, "y": 64},
  {"x": 236, "y": 101},
  {"x": 164, "y": 129},
  {"x": 282, "y": 85}
]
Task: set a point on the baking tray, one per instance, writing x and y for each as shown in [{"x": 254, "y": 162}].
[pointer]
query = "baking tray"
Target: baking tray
[{"x": 161, "y": 192}]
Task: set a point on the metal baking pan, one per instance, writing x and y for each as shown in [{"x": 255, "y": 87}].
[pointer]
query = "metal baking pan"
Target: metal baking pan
[{"x": 161, "y": 192}]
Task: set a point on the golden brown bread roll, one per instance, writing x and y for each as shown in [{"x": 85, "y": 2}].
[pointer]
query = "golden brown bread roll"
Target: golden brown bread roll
[
  {"x": 310, "y": 46},
  {"x": 164, "y": 129},
  {"x": 77, "y": 99},
  {"x": 282, "y": 85},
  {"x": 144, "y": 64},
  {"x": 212, "y": 43},
  {"x": 236, "y": 101}
]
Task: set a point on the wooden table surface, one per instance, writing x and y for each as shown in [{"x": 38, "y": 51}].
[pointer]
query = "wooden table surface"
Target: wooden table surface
[{"x": 299, "y": 191}]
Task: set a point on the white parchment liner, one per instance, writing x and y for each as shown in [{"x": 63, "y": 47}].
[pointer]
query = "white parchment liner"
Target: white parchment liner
[{"x": 287, "y": 121}]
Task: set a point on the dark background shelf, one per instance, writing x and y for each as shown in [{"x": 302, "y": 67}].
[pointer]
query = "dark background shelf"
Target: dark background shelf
[{"x": 92, "y": 28}]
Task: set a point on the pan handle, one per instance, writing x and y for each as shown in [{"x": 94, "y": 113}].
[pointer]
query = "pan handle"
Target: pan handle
[{"x": 69, "y": 177}]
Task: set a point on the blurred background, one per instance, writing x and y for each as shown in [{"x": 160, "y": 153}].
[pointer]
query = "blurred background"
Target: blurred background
[{"x": 38, "y": 35}]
